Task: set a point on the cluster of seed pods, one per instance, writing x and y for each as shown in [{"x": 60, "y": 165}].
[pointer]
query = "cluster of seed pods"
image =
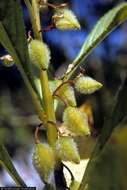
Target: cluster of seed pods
[{"x": 45, "y": 157}]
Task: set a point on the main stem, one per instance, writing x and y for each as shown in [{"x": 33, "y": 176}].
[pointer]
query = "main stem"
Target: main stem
[{"x": 47, "y": 96}]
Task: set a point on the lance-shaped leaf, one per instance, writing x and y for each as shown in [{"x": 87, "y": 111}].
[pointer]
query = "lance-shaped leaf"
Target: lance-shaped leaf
[
  {"x": 119, "y": 112},
  {"x": 109, "y": 169},
  {"x": 13, "y": 38},
  {"x": 6, "y": 162},
  {"x": 103, "y": 27}
]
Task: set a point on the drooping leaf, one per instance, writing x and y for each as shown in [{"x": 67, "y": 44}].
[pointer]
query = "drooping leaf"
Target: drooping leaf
[
  {"x": 103, "y": 27},
  {"x": 6, "y": 162}
]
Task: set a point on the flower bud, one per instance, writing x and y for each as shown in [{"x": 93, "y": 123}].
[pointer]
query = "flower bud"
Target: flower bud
[
  {"x": 76, "y": 121},
  {"x": 39, "y": 53},
  {"x": 66, "y": 150},
  {"x": 66, "y": 92},
  {"x": 43, "y": 160},
  {"x": 64, "y": 19},
  {"x": 87, "y": 85}
]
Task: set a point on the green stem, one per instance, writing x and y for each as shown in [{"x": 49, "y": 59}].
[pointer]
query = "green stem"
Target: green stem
[
  {"x": 49, "y": 108},
  {"x": 47, "y": 96},
  {"x": 13, "y": 53},
  {"x": 34, "y": 15}
]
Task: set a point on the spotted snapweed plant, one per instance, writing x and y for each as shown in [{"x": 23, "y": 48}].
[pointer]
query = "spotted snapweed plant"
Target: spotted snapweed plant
[{"x": 32, "y": 57}]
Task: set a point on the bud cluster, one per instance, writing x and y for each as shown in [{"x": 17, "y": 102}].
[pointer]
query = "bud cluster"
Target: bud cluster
[
  {"x": 46, "y": 157},
  {"x": 75, "y": 120}
]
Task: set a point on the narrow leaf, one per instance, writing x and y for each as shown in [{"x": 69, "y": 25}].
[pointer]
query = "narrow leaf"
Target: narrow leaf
[
  {"x": 6, "y": 162},
  {"x": 119, "y": 112},
  {"x": 111, "y": 164},
  {"x": 13, "y": 38},
  {"x": 103, "y": 27}
]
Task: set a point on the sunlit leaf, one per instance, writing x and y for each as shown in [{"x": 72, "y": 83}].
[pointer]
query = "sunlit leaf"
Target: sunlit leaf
[{"x": 103, "y": 27}]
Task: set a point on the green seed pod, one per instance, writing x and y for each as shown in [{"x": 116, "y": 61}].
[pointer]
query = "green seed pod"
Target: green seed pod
[
  {"x": 64, "y": 19},
  {"x": 66, "y": 150},
  {"x": 76, "y": 121},
  {"x": 66, "y": 92},
  {"x": 43, "y": 160},
  {"x": 39, "y": 53},
  {"x": 74, "y": 185},
  {"x": 87, "y": 85}
]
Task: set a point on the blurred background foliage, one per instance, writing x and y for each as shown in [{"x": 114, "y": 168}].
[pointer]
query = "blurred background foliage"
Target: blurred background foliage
[{"x": 106, "y": 64}]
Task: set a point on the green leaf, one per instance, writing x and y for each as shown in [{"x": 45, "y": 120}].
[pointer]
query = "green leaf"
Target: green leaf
[
  {"x": 117, "y": 115},
  {"x": 109, "y": 169},
  {"x": 6, "y": 162},
  {"x": 103, "y": 27},
  {"x": 13, "y": 38}
]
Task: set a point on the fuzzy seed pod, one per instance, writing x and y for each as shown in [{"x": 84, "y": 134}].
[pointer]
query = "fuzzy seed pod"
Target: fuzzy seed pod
[
  {"x": 66, "y": 92},
  {"x": 64, "y": 19},
  {"x": 43, "y": 160},
  {"x": 39, "y": 53},
  {"x": 66, "y": 150},
  {"x": 76, "y": 121},
  {"x": 87, "y": 85}
]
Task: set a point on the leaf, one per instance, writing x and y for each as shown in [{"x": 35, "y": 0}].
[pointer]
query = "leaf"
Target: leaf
[
  {"x": 13, "y": 38},
  {"x": 5, "y": 160},
  {"x": 109, "y": 170},
  {"x": 103, "y": 27},
  {"x": 119, "y": 112}
]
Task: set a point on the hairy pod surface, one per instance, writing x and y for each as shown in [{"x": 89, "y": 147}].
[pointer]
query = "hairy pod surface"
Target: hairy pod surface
[
  {"x": 66, "y": 150},
  {"x": 87, "y": 85},
  {"x": 64, "y": 19},
  {"x": 43, "y": 160},
  {"x": 39, "y": 54},
  {"x": 76, "y": 121},
  {"x": 67, "y": 93}
]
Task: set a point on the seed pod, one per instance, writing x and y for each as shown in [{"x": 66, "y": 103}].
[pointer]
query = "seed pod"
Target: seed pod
[
  {"x": 76, "y": 121},
  {"x": 66, "y": 92},
  {"x": 87, "y": 85},
  {"x": 66, "y": 150},
  {"x": 39, "y": 53},
  {"x": 43, "y": 160},
  {"x": 64, "y": 19}
]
